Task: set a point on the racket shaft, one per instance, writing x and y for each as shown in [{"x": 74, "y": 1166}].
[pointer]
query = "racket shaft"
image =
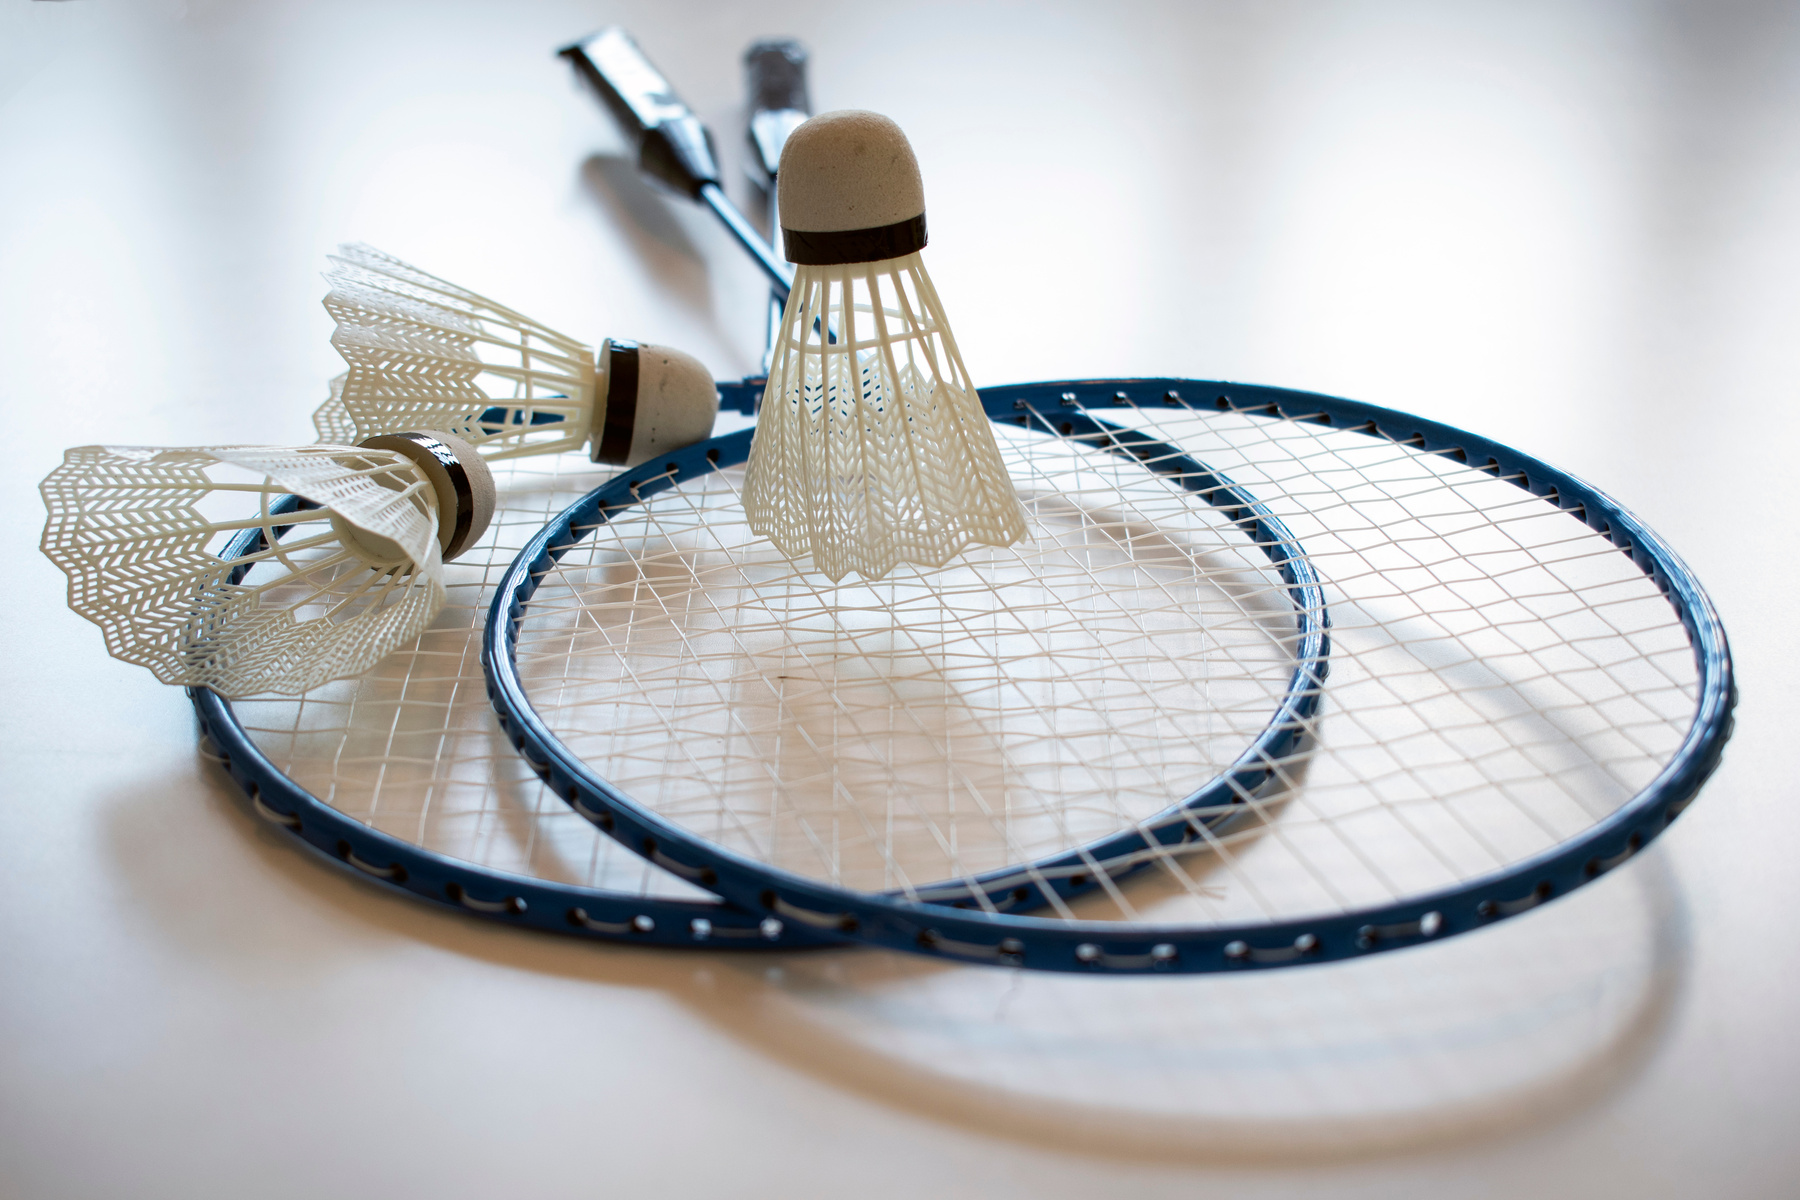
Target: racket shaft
[
  {"x": 775, "y": 82},
  {"x": 673, "y": 146}
]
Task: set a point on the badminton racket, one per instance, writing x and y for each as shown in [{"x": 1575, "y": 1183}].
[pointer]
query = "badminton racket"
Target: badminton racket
[
  {"x": 1526, "y": 686},
  {"x": 400, "y": 776}
]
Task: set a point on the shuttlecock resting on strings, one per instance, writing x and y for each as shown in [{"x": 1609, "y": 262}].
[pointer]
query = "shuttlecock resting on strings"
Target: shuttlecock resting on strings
[
  {"x": 253, "y": 569},
  {"x": 426, "y": 354},
  {"x": 871, "y": 447}
]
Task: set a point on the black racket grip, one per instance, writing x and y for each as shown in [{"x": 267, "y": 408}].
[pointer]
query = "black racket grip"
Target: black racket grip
[
  {"x": 775, "y": 80},
  {"x": 775, "y": 75},
  {"x": 673, "y": 147}
]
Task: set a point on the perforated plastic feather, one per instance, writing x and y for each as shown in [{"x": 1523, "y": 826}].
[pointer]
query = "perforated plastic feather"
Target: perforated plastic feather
[
  {"x": 136, "y": 529},
  {"x": 870, "y": 447},
  {"x": 424, "y": 353},
  {"x": 332, "y": 419}
]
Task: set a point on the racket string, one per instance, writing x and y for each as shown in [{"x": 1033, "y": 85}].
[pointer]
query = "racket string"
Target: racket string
[
  {"x": 1675, "y": 669},
  {"x": 1491, "y": 656},
  {"x": 412, "y": 749},
  {"x": 586, "y": 601}
]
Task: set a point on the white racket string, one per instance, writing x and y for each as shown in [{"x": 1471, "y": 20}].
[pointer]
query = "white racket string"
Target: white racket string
[
  {"x": 1015, "y": 851},
  {"x": 1500, "y": 678},
  {"x": 412, "y": 750},
  {"x": 753, "y": 596}
]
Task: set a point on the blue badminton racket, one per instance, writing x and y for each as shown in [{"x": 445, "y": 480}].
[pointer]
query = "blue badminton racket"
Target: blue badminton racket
[
  {"x": 1526, "y": 687},
  {"x": 398, "y": 776},
  {"x": 401, "y": 778}
]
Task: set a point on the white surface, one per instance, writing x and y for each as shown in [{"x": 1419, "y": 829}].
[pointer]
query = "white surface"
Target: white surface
[{"x": 1574, "y": 228}]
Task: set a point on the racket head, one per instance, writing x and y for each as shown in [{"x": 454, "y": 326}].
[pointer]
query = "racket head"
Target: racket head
[
  {"x": 1299, "y": 631},
  {"x": 1672, "y": 773},
  {"x": 354, "y": 829}
]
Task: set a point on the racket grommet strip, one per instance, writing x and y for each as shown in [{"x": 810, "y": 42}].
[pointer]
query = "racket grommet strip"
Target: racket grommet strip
[
  {"x": 509, "y": 905},
  {"x": 639, "y": 924},
  {"x": 1490, "y": 909},
  {"x": 286, "y": 820},
  {"x": 1429, "y": 925},
  {"x": 1598, "y": 866},
  {"x": 393, "y": 872}
]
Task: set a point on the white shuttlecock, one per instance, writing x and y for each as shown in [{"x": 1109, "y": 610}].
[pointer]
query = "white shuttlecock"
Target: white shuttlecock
[
  {"x": 332, "y": 587},
  {"x": 426, "y": 354},
  {"x": 871, "y": 448}
]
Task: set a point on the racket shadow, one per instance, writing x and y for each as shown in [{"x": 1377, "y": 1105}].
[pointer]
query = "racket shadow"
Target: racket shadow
[
  {"x": 624, "y": 202},
  {"x": 1464, "y": 1041}
]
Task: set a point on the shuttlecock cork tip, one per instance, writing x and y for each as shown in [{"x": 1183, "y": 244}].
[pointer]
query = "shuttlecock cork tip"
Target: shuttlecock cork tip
[
  {"x": 850, "y": 190},
  {"x": 657, "y": 401}
]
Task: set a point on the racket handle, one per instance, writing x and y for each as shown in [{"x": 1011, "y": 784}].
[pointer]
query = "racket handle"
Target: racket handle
[
  {"x": 673, "y": 147},
  {"x": 775, "y": 80}
]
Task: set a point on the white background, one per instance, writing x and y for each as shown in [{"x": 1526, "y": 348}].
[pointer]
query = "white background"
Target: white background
[{"x": 1572, "y": 227}]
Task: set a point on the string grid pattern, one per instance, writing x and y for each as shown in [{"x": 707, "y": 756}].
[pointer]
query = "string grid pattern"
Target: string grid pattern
[
  {"x": 871, "y": 447},
  {"x": 1501, "y": 677},
  {"x": 411, "y": 747},
  {"x": 426, "y": 354},
  {"x": 138, "y": 530}
]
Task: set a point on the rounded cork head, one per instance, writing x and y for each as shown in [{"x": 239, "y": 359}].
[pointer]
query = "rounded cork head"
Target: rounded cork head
[
  {"x": 656, "y": 401},
  {"x": 677, "y": 402},
  {"x": 849, "y": 170}
]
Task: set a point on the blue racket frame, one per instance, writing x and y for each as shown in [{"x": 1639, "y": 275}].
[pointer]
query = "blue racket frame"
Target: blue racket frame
[
  {"x": 1009, "y": 939},
  {"x": 451, "y": 883},
  {"x": 1017, "y": 886}
]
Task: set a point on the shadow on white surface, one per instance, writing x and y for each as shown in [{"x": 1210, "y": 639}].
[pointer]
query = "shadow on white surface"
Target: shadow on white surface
[
  {"x": 1471, "y": 1040},
  {"x": 647, "y": 221},
  {"x": 1478, "y": 1037}
]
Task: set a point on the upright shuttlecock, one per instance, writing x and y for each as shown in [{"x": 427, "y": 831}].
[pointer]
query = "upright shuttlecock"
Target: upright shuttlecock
[
  {"x": 330, "y": 585},
  {"x": 426, "y": 354},
  {"x": 871, "y": 448}
]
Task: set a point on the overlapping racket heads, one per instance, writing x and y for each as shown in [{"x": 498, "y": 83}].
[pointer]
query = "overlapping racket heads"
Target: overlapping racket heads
[{"x": 1274, "y": 678}]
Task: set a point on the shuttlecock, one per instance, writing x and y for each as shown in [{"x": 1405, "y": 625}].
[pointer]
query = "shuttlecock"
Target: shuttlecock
[
  {"x": 334, "y": 583},
  {"x": 871, "y": 448},
  {"x": 426, "y": 354}
]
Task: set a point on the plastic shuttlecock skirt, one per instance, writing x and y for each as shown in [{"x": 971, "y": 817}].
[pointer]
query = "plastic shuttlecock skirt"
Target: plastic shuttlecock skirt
[
  {"x": 332, "y": 590},
  {"x": 871, "y": 448}
]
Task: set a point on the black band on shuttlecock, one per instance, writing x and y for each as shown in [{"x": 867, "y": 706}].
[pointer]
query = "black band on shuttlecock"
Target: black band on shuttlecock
[
  {"x": 811, "y": 248},
  {"x": 462, "y": 492},
  {"x": 614, "y": 443}
]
